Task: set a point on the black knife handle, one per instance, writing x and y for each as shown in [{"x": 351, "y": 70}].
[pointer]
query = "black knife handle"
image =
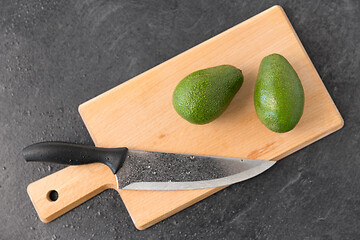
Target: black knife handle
[{"x": 75, "y": 154}]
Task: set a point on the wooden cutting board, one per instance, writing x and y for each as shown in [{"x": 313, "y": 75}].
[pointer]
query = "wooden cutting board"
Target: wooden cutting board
[{"x": 138, "y": 114}]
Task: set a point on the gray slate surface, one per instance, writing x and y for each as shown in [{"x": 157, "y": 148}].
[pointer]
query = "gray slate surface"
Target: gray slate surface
[{"x": 56, "y": 55}]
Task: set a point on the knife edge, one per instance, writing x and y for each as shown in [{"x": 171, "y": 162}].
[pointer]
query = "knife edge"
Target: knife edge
[{"x": 212, "y": 183}]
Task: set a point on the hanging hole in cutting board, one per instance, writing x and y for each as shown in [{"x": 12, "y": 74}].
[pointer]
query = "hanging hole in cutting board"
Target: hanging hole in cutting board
[{"x": 52, "y": 195}]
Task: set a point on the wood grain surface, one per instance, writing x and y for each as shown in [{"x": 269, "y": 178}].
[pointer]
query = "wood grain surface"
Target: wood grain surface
[{"x": 138, "y": 114}]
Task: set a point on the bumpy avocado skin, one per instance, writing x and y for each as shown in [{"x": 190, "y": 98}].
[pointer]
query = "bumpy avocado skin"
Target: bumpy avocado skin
[
  {"x": 203, "y": 96},
  {"x": 279, "y": 94}
]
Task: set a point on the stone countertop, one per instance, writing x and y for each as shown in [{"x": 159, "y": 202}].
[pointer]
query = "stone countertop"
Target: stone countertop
[{"x": 56, "y": 55}]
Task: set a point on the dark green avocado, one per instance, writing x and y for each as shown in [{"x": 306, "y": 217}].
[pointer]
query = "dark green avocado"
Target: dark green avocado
[
  {"x": 203, "y": 96},
  {"x": 279, "y": 94}
]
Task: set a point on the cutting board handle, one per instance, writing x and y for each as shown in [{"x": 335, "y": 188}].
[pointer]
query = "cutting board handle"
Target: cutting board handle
[{"x": 56, "y": 194}]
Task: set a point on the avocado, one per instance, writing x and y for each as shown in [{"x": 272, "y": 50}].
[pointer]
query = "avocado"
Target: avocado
[
  {"x": 279, "y": 94},
  {"x": 203, "y": 96}
]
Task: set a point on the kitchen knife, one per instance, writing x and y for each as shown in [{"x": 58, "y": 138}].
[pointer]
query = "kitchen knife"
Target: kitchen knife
[{"x": 147, "y": 170}]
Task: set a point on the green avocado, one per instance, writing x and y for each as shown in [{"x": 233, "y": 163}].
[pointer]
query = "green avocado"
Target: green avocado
[
  {"x": 279, "y": 95},
  {"x": 203, "y": 96}
]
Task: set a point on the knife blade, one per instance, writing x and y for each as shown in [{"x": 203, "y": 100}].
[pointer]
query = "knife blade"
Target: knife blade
[{"x": 148, "y": 170}]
